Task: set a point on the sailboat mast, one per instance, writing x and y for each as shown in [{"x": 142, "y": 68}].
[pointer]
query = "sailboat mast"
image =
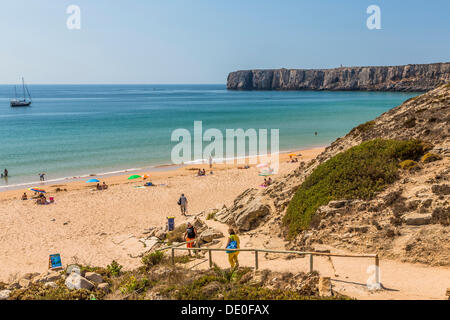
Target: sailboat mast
[{"x": 23, "y": 86}]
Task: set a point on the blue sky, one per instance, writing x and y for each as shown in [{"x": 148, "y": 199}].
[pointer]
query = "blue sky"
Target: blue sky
[{"x": 200, "y": 41}]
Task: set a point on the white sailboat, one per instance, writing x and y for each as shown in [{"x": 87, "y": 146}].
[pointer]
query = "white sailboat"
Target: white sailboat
[{"x": 21, "y": 102}]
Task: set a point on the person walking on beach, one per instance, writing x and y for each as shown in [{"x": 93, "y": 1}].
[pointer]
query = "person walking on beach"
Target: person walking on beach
[
  {"x": 210, "y": 161},
  {"x": 189, "y": 236},
  {"x": 42, "y": 176},
  {"x": 233, "y": 243},
  {"x": 182, "y": 202}
]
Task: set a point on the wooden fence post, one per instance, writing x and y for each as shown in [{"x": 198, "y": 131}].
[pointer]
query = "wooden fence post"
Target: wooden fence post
[
  {"x": 173, "y": 256},
  {"x": 377, "y": 270},
  {"x": 311, "y": 263},
  {"x": 210, "y": 258},
  {"x": 256, "y": 260}
]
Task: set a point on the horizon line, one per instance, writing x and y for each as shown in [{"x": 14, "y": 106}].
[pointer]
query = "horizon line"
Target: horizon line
[{"x": 113, "y": 83}]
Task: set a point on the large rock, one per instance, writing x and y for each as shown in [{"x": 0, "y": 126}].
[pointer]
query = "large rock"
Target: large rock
[
  {"x": 247, "y": 212},
  {"x": 75, "y": 282},
  {"x": 47, "y": 277},
  {"x": 210, "y": 234},
  {"x": 4, "y": 294},
  {"x": 94, "y": 277},
  {"x": 103, "y": 286}
]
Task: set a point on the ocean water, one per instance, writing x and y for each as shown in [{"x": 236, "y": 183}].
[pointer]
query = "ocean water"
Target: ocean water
[{"x": 73, "y": 130}]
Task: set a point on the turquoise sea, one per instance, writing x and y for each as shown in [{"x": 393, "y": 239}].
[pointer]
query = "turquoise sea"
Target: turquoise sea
[{"x": 74, "y": 130}]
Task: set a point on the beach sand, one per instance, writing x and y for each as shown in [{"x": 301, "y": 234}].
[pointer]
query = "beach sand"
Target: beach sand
[{"x": 85, "y": 225}]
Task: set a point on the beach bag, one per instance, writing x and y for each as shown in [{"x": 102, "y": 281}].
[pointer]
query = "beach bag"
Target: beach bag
[
  {"x": 232, "y": 245},
  {"x": 179, "y": 202}
]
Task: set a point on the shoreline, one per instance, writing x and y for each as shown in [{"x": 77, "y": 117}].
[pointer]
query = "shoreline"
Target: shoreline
[{"x": 122, "y": 172}]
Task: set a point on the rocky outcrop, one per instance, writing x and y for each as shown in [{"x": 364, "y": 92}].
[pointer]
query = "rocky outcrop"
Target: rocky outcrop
[
  {"x": 412, "y": 77},
  {"x": 247, "y": 212}
]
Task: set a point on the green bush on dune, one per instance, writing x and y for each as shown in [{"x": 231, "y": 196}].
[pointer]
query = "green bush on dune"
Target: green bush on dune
[{"x": 358, "y": 173}]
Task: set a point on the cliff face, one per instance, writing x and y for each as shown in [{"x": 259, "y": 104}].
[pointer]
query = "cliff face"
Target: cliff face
[{"x": 413, "y": 77}]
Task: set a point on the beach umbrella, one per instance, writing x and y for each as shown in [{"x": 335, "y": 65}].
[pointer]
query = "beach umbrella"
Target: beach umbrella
[
  {"x": 265, "y": 174},
  {"x": 291, "y": 154},
  {"x": 145, "y": 176},
  {"x": 37, "y": 190},
  {"x": 261, "y": 165},
  {"x": 135, "y": 176},
  {"x": 92, "y": 180}
]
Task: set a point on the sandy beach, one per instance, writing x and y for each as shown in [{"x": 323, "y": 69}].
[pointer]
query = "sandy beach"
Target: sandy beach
[{"x": 83, "y": 223}]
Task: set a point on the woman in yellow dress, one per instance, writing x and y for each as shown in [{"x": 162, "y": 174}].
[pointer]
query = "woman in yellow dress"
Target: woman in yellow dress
[{"x": 233, "y": 255}]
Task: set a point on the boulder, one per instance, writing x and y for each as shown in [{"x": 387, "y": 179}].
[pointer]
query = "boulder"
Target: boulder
[
  {"x": 209, "y": 235},
  {"x": 4, "y": 294},
  {"x": 93, "y": 277},
  {"x": 247, "y": 211},
  {"x": 47, "y": 277},
  {"x": 73, "y": 268},
  {"x": 103, "y": 286},
  {"x": 417, "y": 219},
  {"x": 250, "y": 217},
  {"x": 75, "y": 281}
]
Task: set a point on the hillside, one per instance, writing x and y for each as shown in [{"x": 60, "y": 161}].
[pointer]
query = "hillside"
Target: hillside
[
  {"x": 407, "y": 219},
  {"x": 413, "y": 77}
]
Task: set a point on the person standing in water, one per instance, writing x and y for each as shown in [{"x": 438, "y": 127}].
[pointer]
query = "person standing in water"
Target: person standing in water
[
  {"x": 5, "y": 173},
  {"x": 42, "y": 176},
  {"x": 210, "y": 161},
  {"x": 233, "y": 243}
]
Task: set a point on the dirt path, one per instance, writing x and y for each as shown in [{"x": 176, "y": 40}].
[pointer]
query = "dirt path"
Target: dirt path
[{"x": 349, "y": 275}]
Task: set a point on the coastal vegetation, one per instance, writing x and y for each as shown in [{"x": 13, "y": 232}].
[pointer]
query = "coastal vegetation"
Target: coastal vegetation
[
  {"x": 358, "y": 173},
  {"x": 157, "y": 278}
]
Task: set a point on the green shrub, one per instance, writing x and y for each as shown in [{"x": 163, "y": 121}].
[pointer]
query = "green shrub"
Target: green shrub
[
  {"x": 132, "y": 284},
  {"x": 430, "y": 157},
  {"x": 364, "y": 126},
  {"x": 358, "y": 173},
  {"x": 114, "y": 268},
  {"x": 152, "y": 259},
  {"x": 409, "y": 165}
]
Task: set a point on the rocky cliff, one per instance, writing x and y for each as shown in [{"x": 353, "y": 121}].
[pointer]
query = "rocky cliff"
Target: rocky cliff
[{"x": 412, "y": 77}]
